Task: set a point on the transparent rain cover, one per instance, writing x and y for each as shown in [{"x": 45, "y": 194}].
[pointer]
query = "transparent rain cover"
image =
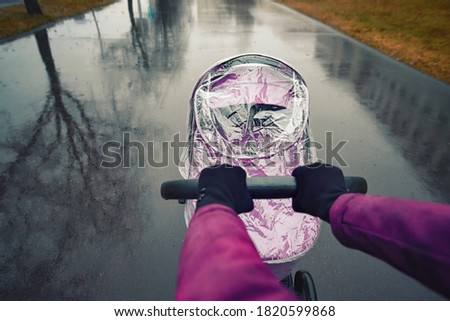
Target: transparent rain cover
[{"x": 252, "y": 110}]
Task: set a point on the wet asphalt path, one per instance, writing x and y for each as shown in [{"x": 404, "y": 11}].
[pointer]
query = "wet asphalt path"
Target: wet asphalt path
[
  {"x": 7, "y": 3},
  {"x": 73, "y": 230}
]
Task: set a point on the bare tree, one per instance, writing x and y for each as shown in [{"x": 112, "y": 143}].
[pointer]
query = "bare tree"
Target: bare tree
[{"x": 33, "y": 7}]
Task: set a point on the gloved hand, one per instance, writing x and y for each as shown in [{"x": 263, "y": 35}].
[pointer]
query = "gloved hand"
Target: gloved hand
[
  {"x": 318, "y": 186},
  {"x": 225, "y": 185}
]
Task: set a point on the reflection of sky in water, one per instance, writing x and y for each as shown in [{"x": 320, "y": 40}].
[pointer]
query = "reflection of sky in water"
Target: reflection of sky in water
[
  {"x": 20, "y": 94},
  {"x": 412, "y": 111}
]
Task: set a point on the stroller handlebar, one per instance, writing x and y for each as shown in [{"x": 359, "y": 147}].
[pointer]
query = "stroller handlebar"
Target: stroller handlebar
[{"x": 261, "y": 187}]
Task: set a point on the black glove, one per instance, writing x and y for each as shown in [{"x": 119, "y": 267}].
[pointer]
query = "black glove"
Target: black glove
[
  {"x": 225, "y": 185},
  {"x": 318, "y": 186}
]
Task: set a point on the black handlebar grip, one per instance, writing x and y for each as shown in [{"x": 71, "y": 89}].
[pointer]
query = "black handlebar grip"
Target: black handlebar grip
[{"x": 261, "y": 187}]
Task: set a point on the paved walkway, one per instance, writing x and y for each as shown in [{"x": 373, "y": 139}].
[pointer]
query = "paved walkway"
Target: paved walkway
[{"x": 7, "y": 3}]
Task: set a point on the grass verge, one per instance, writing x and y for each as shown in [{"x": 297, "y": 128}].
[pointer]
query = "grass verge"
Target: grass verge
[
  {"x": 416, "y": 32},
  {"x": 15, "y": 20}
]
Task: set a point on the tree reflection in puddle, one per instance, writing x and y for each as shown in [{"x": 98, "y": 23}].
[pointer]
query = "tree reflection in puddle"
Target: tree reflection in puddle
[{"x": 60, "y": 209}]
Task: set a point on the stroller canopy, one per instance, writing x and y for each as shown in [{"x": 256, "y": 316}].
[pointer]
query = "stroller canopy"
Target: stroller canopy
[{"x": 251, "y": 106}]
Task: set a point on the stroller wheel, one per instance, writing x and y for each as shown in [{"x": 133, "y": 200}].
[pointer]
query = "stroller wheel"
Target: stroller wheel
[{"x": 304, "y": 287}]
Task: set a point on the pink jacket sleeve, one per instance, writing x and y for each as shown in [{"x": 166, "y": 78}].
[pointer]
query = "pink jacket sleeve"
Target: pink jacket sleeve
[
  {"x": 412, "y": 236},
  {"x": 219, "y": 261}
]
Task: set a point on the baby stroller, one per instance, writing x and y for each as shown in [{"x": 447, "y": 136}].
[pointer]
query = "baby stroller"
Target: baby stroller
[{"x": 252, "y": 111}]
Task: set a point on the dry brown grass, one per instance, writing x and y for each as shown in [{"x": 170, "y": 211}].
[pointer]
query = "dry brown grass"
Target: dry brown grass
[
  {"x": 416, "y": 32},
  {"x": 15, "y": 20}
]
